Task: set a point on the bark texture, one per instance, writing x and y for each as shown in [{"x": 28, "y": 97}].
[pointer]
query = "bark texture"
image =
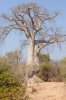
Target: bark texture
[{"x": 32, "y": 60}]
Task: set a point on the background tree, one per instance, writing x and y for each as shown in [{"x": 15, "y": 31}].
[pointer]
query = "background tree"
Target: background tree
[
  {"x": 44, "y": 58},
  {"x": 36, "y": 23},
  {"x": 14, "y": 57}
]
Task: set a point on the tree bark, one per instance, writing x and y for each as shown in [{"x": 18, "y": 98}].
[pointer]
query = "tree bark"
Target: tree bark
[{"x": 32, "y": 60}]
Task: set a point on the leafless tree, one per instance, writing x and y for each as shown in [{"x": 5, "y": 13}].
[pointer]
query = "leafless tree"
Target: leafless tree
[{"x": 36, "y": 23}]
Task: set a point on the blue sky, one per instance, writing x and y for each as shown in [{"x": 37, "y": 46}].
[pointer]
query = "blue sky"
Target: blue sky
[{"x": 13, "y": 40}]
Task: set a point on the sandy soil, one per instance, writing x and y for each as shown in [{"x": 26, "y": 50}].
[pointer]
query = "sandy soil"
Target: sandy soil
[{"x": 48, "y": 91}]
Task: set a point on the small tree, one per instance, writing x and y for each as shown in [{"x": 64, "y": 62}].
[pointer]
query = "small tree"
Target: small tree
[{"x": 13, "y": 57}]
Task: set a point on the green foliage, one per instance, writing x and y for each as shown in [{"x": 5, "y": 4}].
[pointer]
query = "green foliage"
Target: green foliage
[
  {"x": 45, "y": 67},
  {"x": 62, "y": 73},
  {"x": 60, "y": 70},
  {"x": 10, "y": 87},
  {"x": 44, "y": 57},
  {"x": 52, "y": 71},
  {"x": 12, "y": 93},
  {"x": 45, "y": 70}
]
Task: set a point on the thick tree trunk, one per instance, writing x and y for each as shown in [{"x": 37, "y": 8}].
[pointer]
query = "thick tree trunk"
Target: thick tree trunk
[{"x": 32, "y": 60}]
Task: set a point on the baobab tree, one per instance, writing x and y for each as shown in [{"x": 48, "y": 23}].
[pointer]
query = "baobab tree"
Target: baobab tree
[{"x": 36, "y": 24}]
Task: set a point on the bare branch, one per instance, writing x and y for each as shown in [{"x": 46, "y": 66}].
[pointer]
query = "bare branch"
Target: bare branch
[
  {"x": 24, "y": 14},
  {"x": 5, "y": 30},
  {"x": 21, "y": 22},
  {"x": 6, "y": 17},
  {"x": 57, "y": 38},
  {"x": 29, "y": 14},
  {"x": 46, "y": 15},
  {"x": 40, "y": 41}
]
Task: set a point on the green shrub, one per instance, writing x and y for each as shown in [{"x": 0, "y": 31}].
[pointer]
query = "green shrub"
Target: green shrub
[
  {"x": 44, "y": 57},
  {"x": 45, "y": 70},
  {"x": 10, "y": 87},
  {"x": 62, "y": 74}
]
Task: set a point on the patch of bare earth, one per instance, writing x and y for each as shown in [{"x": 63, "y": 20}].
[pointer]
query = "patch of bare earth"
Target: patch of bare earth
[{"x": 47, "y": 91}]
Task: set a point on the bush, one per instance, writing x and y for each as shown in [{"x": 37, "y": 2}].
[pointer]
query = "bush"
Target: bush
[
  {"x": 44, "y": 58},
  {"x": 45, "y": 71},
  {"x": 62, "y": 74},
  {"x": 10, "y": 87}
]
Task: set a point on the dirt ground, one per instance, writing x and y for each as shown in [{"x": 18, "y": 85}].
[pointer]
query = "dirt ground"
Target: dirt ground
[{"x": 48, "y": 91}]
